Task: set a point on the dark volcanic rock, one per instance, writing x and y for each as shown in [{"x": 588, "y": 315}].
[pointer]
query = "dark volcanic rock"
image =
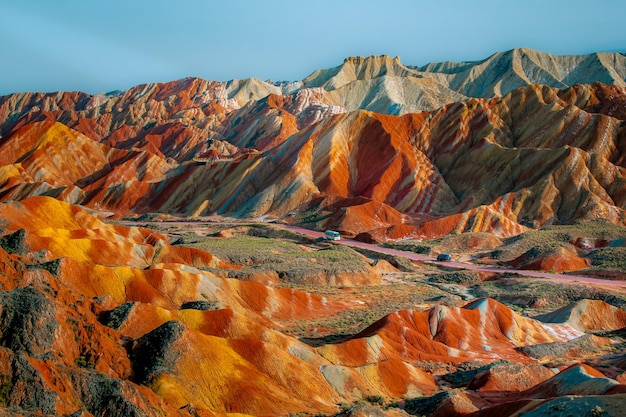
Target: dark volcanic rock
[
  {"x": 27, "y": 389},
  {"x": 116, "y": 317},
  {"x": 27, "y": 321},
  {"x": 151, "y": 354},
  {"x": 14, "y": 242},
  {"x": 106, "y": 396},
  {"x": 53, "y": 266},
  {"x": 199, "y": 305}
]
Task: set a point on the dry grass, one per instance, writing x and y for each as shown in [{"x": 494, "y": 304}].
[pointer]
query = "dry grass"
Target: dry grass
[
  {"x": 262, "y": 248},
  {"x": 540, "y": 295},
  {"x": 377, "y": 302},
  {"x": 554, "y": 236},
  {"x": 292, "y": 262}
]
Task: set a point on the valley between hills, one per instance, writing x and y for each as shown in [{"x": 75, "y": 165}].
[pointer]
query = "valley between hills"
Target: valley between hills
[{"x": 162, "y": 250}]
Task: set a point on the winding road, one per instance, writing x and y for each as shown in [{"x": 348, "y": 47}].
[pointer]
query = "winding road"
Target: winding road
[
  {"x": 414, "y": 256},
  {"x": 460, "y": 265}
]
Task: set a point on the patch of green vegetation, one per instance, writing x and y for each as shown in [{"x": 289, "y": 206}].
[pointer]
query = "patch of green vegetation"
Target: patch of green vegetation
[
  {"x": 419, "y": 247},
  {"x": 552, "y": 237},
  {"x": 608, "y": 258},
  {"x": 452, "y": 243},
  {"x": 456, "y": 277},
  {"x": 533, "y": 243},
  {"x": 556, "y": 407},
  {"x": 375, "y": 399},
  {"x": 83, "y": 362},
  {"x": 290, "y": 260},
  {"x": 399, "y": 262},
  {"x": 382, "y": 300},
  {"x": 243, "y": 250},
  {"x": 73, "y": 323},
  {"x": 521, "y": 293},
  {"x": 267, "y": 231},
  {"x": 597, "y": 411},
  {"x": 6, "y": 385}
]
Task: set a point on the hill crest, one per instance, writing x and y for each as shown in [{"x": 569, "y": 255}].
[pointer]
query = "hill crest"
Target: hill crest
[{"x": 345, "y": 149}]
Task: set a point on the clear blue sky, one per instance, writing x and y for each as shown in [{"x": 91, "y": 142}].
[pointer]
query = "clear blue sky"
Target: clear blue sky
[{"x": 99, "y": 46}]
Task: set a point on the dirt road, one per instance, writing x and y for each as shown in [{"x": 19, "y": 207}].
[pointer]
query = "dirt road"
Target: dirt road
[
  {"x": 415, "y": 256},
  {"x": 461, "y": 265}
]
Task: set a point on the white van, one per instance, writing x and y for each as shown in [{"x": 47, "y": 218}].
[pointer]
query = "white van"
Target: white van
[{"x": 332, "y": 235}]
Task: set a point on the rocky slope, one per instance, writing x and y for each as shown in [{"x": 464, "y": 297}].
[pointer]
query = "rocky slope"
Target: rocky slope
[
  {"x": 113, "y": 320},
  {"x": 535, "y": 157},
  {"x": 99, "y": 319},
  {"x": 521, "y": 139}
]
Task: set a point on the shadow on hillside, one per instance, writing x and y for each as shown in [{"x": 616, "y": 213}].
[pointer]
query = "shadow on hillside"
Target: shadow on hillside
[{"x": 331, "y": 339}]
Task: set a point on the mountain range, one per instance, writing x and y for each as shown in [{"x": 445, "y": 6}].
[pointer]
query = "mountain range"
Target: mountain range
[
  {"x": 103, "y": 315},
  {"x": 102, "y": 319},
  {"x": 371, "y": 147}
]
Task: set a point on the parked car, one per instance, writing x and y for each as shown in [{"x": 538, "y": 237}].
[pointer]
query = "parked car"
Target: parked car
[{"x": 444, "y": 257}]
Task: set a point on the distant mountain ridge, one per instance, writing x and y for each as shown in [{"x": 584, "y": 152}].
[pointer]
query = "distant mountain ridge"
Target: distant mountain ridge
[
  {"x": 112, "y": 318},
  {"x": 505, "y": 71},
  {"x": 367, "y": 83},
  {"x": 372, "y": 146}
]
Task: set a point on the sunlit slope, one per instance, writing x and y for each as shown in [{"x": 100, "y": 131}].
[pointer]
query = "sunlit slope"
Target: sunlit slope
[
  {"x": 522, "y": 139},
  {"x": 484, "y": 330},
  {"x": 115, "y": 319}
]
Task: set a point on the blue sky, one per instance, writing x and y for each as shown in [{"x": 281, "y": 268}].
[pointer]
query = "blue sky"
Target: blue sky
[{"x": 99, "y": 46}]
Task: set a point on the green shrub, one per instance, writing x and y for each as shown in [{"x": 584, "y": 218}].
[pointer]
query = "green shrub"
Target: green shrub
[{"x": 6, "y": 385}]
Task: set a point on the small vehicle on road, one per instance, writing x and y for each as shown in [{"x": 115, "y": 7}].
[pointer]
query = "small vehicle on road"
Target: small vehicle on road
[
  {"x": 332, "y": 235},
  {"x": 444, "y": 257}
]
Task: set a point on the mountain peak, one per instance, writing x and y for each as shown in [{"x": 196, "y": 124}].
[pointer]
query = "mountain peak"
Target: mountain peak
[
  {"x": 357, "y": 68},
  {"x": 357, "y": 59}
]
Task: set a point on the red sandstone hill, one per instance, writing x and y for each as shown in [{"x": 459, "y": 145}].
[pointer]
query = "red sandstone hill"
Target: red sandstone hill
[
  {"x": 485, "y": 330},
  {"x": 115, "y": 320},
  {"x": 531, "y": 148},
  {"x": 537, "y": 156},
  {"x": 97, "y": 319}
]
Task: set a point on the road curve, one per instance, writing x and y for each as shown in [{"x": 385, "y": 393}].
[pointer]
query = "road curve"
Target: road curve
[
  {"x": 460, "y": 265},
  {"x": 417, "y": 257}
]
